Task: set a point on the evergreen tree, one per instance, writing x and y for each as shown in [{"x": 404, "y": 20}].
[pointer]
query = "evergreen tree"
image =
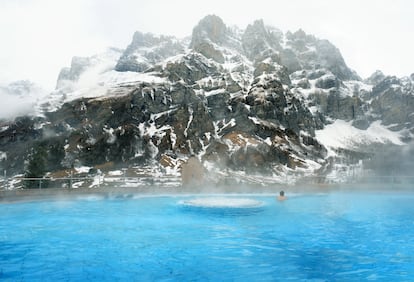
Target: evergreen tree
[{"x": 36, "y": 167}]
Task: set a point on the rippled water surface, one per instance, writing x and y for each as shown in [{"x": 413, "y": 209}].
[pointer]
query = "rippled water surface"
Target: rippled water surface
[{"x": 323, "y": 237}]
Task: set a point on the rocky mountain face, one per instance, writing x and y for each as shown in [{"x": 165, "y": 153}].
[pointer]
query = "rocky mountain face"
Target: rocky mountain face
[
  {"x": 244, "y": 102},
  {"x": 146, "y": 50},
  {"x": 392, "y": 100}
]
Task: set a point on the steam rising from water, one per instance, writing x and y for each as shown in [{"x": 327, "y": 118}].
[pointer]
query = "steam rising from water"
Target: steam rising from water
[
  {"x": 393, "y": 160},
  {"x": 222, "y": 202}
]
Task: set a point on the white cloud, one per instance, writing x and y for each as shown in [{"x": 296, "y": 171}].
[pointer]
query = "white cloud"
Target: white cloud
[
  {"x": 19, "y": 99},
  {"x": 40, "y": 36},
  {"x": 13, "y": 106}
]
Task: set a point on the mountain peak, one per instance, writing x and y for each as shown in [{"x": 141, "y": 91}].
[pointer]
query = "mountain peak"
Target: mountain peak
[
  {"x": 257, "y": 39},
  {"x": 375, "y": 78},
  {"x": 210, "y": 28},
  {"x": 147, "y": 49},
  {"x": 210, "y": 31}
]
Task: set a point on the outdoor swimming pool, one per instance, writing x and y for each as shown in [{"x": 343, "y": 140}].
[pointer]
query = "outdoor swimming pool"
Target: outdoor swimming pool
[{"x": 310, "y": 237}]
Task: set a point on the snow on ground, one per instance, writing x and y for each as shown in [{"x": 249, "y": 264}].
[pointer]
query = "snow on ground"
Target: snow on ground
[
  {"x": 102, "y": 84},
  {"x": 311, "y": 165},
  {"x": 354, "y": 85},
  {"x": 107, "y": 85},
  {"x": 3, "y": 156},
  {"x": 78, "y": 184},
  {"x": 152, "y": 130},
  {"x": 96, "y": 181},
  {"x": 114, "y": 78},
  {"x": 156, "y": 116},
  {"x": 98, "y": 79},
  {"x": 82, "y": 169},
  {"x": 4, "y": 128},
  {"x": 111, "y": 136},
  {"x": 173, "y": 60},
  {"x": 265, "y": 123},
  {"x": 116, "y": 173},
  {"x": 215, "y": 92},
  {"x": 220, "y": 125},
  {"x": 341, "y": 134}
]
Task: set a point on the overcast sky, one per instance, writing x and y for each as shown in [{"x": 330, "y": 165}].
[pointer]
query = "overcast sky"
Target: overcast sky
[{"x": 38, "y": 37}]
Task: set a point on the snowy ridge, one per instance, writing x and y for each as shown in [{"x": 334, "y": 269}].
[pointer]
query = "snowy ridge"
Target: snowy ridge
[{"x": 342, "y": 134}]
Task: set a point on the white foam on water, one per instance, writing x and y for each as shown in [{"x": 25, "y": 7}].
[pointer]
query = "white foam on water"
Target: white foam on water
[
  {"x": 222, "y": 202},
  {"x": 91, "y": 198}
]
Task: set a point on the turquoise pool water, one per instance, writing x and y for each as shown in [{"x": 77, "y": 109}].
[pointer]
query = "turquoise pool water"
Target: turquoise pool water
[{"x": 323, "y": 237}]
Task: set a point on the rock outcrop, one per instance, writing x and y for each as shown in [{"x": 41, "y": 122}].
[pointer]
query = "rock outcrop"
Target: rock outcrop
[{"x": 146, "y": 50}]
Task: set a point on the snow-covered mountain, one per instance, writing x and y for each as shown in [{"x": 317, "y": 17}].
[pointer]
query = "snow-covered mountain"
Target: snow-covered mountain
[{"x": 255, "y": 105}]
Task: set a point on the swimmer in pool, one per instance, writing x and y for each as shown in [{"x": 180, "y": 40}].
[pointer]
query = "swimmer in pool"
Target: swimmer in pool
[{"x": 281, "y": 196}]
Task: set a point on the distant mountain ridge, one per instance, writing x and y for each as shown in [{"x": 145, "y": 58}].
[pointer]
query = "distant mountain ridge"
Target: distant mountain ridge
[{"x": 254, "y": 102}]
